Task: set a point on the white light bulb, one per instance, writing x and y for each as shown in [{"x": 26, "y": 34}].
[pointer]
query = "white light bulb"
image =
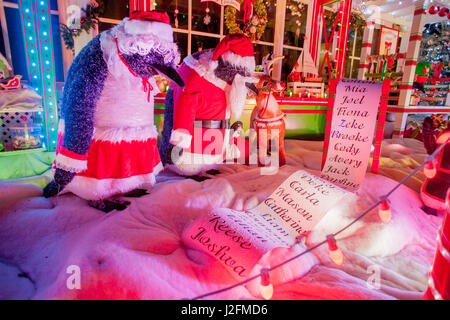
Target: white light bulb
[
  {"x": 44, "y": 33},
  {"x": 29, "y": 24},
  {"x": 32, "y": 51}
]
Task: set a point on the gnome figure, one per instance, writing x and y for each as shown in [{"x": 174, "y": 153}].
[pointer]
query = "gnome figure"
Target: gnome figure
[
  {"x": 107, "y": 141},
  {"x": 196, "y": 130},
  {"x": 435, "y": 187}
]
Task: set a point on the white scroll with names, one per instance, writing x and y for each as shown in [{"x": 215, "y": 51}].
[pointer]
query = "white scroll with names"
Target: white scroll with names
[
  {"x": 239, "y": 239},
  {"x": 352, "y": 130}
]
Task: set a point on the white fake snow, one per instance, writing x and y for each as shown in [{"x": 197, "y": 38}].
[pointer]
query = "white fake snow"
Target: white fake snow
[{"x": 138, "y": 253}]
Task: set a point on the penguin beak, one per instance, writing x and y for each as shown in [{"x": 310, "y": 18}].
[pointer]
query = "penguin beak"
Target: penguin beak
[
  {"x": 171, "y": 73},
  {"x": 252, "y": 87}
]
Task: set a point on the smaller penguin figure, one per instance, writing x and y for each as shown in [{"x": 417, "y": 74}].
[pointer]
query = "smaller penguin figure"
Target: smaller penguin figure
[{"x": 434, "y": 189}]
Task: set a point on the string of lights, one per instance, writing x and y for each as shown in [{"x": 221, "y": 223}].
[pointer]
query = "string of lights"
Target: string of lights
[{"x": 266, "y": 288}]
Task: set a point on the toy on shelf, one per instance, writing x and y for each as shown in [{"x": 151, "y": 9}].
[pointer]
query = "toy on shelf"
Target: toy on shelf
[
  {"x": 162, "y": 82},
  {"x": 299, "y": 84},
  {"x": 12, "y": 83},
  {"x": 25, "y": 137}
]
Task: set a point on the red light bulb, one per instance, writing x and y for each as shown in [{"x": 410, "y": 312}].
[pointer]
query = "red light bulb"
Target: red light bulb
[
  {"x": 333, "y": 250},
  {"x": 429, "y": 170},
  {"x": 384, "y": 211},
  {"x": 266, "y": 288}
]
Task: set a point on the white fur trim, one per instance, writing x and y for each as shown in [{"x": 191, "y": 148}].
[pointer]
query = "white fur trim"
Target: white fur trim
[
  {"x": 236, "y": 95},
  {"x": 94, "y": 189},
  {"x": 430, "y": 201},
  {"x": 238, "y": 61},
  {"x": 190, "y": 164},
  {"x": 205, "y": 67},
  {"x": 61, "y": 126},
  {"x": 160, "y": 29},
  {"x": 125, "y": 134},
  {"x": 69, "y": 164},
  {"x": 180, "y": 139},
  {"x": 141, "y": 44}
]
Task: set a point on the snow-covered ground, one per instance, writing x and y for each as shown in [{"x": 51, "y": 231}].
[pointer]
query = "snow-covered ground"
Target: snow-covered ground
[{"x": 138, "y": 253}]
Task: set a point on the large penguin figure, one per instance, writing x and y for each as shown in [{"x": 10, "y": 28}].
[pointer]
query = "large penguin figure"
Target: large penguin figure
[{"x": 107, "y": 141}]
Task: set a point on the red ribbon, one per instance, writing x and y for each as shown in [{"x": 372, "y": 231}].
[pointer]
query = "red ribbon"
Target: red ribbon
[{"x": 147, "y": 87}]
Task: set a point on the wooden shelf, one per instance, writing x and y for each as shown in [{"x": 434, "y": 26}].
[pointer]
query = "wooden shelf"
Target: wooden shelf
[{"x": 17, "y": 152}]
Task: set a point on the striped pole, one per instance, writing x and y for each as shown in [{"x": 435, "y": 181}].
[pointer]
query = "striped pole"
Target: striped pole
[
  {"x": 38, "y": 43},
  {"x": 366, "y": 49},
  {"x": 380, "y": 124},
  {"x": 410, "y": 68},
  {"x": 439, "y": 276},
  {"x": 343, "y": 37}
]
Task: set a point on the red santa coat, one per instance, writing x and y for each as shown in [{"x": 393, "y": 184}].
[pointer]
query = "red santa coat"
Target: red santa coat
[{"x": 202, "y": 99}]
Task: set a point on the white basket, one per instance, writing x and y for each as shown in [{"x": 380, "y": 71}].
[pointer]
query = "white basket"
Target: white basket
[{"x": 316, "y": 88}]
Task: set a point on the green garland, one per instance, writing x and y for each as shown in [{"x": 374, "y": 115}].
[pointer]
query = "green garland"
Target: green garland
[
  {"x": 357, "y": 19},
  {"x": 88, "y": 21},
  {"x": 255, "y": 27}
]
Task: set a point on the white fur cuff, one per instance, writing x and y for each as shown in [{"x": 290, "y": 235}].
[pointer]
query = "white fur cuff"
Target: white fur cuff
[
  {"x": 69, "y": 164},
  {"x": 180, "y": 138}
]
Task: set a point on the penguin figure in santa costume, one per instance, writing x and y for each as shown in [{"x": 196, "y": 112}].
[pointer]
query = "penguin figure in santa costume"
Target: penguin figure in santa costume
[
  {"x": 435, "y": 187},
  {"x": 217, "y": 82},
  {"x": 107, "y": 141}
]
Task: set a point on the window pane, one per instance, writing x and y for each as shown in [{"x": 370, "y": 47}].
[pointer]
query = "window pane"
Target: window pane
[
  {"x": 103, "y": 26},
  {"x": 205, "y": 22},
  {"x": 181, "y": 39},
  {"x": 348, "y": 65},
  {"x": 261, "y": 51},
  {"x": 355, "y": 69},
  {"x": 359, "y": 39},
  {"x": 201, "y": 42},
  {"x": 294, "y": 34},
  {"x": 170, "y": 6},
  {"x": 290, "y": 58},
  {"x": 269, "y": 32},
  {"x": 114, "y": 9},
  {"x": 350, "y": 41}
]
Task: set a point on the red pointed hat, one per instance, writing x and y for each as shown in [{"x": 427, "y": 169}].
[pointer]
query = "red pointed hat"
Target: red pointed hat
[
  {"x": 150, "y": 16},
  {"x": 237, "y": 43},
  {"x": 152, "y": 22},
  {"x": 236, "y": 49}
]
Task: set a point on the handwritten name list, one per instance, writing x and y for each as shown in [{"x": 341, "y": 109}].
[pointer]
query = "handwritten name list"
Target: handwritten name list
[
  {"x": 352, "y": 129},
  {"x": 239, "y": 239}
]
